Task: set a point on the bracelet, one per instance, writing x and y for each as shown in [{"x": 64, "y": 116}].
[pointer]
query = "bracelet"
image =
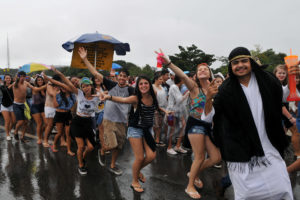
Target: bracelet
[
  {"x": 110, "y": 97},
  {"x": 168, "y": 64},
  {"x": 290, "y": 118}
]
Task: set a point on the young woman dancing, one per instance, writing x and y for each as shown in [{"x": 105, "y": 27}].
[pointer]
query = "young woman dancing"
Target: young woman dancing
[
  {"x": 197, "y": 130},
  {"x": 140, "y": 125}
]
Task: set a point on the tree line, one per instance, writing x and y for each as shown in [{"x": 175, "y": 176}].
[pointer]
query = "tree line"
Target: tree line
[{"x": 187, "y": 59}]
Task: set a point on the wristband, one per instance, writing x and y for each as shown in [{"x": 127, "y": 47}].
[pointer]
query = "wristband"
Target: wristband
[
  {"x": 110, "y": 97},
  {"x": 290, "y": 118},
  {"x": 168, "y": 64}
]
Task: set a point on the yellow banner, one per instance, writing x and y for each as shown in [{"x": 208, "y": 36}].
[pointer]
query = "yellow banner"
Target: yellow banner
[{"x": 99, "y": 52}]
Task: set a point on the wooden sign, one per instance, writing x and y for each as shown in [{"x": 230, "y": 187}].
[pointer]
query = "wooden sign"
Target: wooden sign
[{"x": 100, "y": 54}]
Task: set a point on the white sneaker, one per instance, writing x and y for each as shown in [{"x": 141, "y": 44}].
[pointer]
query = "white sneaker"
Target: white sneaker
[
  {"x": 180, "y": 150},
  {"x": 8, "y": 138},
  {"x": 171, "y": 151}
]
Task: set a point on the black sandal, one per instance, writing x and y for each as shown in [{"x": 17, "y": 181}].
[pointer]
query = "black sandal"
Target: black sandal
[{"x": 137, "y": 187}]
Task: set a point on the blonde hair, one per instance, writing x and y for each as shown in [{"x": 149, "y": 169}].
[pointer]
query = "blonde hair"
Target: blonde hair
[{"x": 282, "y": 67}]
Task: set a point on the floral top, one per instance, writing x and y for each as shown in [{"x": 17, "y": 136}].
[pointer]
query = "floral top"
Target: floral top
[{"x": 197, "y": 105}]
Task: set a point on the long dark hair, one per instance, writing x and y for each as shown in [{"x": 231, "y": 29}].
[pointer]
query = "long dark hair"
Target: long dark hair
[
  {"x": 36, "y": 80},
  {"x": 139, "y": 94},
  {"x": 10, "y": 79},
  {"x": 210, "y": 73}
]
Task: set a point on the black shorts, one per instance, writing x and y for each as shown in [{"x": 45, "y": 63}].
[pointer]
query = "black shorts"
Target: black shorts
[
  {"x": 82, "y": 127},
  {"x": 63, "y": 117},
  {"x": 19, "y": 111},
  {"x": 37, "y": 108}
]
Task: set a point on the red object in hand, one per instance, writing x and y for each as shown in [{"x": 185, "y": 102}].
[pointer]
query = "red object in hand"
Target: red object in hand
[
  {"x": 159, "y": 60},
  {"x": 290, "y": 61}
]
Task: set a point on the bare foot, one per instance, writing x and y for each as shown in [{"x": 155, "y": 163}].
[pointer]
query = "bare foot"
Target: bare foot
[
  {"x": 193, "y": 193},
  {"x": 46, "y": 145},
  {"x": 63, "y": 144},
  {"x": 137, "y": 188},
  {"x": 71, "y": 153},
  {"x": 39, "y": 142}
]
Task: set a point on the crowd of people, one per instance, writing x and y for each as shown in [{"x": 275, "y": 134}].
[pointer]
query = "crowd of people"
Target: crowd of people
[{"x": 241, "y": 119}]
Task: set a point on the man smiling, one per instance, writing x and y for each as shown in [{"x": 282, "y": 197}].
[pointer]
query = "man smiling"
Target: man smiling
[{"x": 246, "y": 112}]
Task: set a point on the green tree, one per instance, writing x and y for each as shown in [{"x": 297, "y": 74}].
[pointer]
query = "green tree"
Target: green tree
[
  {"x": 268, "y": 57},
  {"x": 190, "y": 57},
  {"x": 148, "y": 71}
]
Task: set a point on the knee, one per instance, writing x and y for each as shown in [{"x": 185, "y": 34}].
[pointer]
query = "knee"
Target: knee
[
  {"x": 80, "y": 149},
  {"x": 139, "y": 159},
  {"x": 151, "y": 156},
  {"x": 199, "y": 157},
  {"x": 90, "y": 148},
  {"x": 216, "y": 158}
]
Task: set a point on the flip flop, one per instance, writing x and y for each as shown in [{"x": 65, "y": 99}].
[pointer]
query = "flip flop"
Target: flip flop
[
  {"x": 137, "y": 187},
  {"x": 192, "y": 194},
  {"x": 53, "y": 150},
  {"x": 46, "y": 145},
  {"x": 142, "y": 178},
  {"x": 198, "y": 183}
]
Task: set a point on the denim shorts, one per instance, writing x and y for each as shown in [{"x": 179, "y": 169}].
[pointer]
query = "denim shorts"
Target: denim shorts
[
  {"x": 197, "y": 130},
  {"x": 133, "y": 132}
]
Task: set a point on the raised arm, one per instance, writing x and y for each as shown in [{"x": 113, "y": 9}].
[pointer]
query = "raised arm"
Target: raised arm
[
  {"x": 83, "y": 55},
  {"x": 55, "y": 82},
  {"x": 72, "y": 88},
  {"x": 190, "y": 84}
]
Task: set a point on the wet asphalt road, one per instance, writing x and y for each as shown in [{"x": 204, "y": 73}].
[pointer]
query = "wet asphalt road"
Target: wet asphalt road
[{"x": 29, "y": 171}]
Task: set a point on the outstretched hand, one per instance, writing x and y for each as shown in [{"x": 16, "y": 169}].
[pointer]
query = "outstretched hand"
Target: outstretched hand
[
  {"x": 164, "y": 58},
  {"x": 102, "y": 95},
  {"x": 82, "y": 52},
  {"x": 212, "y": 89}
]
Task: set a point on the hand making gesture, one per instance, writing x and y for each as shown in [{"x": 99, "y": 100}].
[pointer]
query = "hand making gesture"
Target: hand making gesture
[{"x": 212, "y": 89}]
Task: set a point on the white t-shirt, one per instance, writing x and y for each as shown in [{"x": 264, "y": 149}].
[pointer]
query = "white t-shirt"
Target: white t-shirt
[{"x": 86, "y": 108}]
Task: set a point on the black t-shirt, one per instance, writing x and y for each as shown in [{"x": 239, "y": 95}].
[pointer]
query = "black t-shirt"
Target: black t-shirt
[{"x": 8, "y": 96}]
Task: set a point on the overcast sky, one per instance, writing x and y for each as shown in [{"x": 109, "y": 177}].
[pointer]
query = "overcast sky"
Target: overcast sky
[{"x": 38, "y": 28}]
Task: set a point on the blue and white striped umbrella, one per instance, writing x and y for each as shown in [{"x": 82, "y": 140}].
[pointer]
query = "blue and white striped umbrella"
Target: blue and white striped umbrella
[{"x": 119, "y": 47}]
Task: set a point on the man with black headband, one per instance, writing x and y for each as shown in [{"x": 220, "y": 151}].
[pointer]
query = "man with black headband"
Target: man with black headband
[{"x": 246, "y": 112}]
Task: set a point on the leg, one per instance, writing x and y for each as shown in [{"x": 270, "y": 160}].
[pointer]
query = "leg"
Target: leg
[
  {"x": 114, "y": 155},
  {"x": 178, "y": 144},
  {"x": 80, "y": 148},
  {"x": 8, "y": 121},
  {"x": 213, "y": 152},
  {"x": 19, "y": 124},
  {"x": 38, "y": 120},
  {"x": 47, "y": 131},
  {"x": 171, "y": 134},
  {"x": 197, "y": 143},
  {"x": 138, "y": 150},
  {"x": 60, "y": 130},
  {"x": 67, "y": 131},
  {"x": 88, "y": 148},
  {"x": 13, "y": 120},
  {"x": 150, "y": 155}
]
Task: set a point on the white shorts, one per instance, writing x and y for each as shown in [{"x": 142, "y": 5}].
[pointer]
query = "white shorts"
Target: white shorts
[
  {"x": 50, "y": 112},
  {"x": 8, "y": 109}
]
